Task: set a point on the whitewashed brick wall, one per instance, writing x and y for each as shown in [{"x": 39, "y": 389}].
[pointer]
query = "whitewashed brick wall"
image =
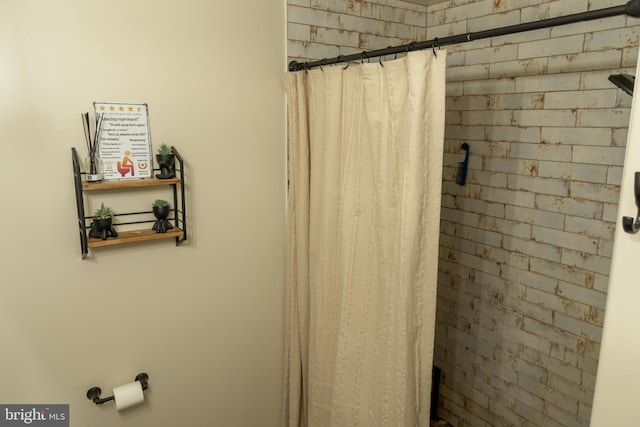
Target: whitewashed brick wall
[
  {"x": 526, "y": 244},
  {"x": 327, "y": 28}
]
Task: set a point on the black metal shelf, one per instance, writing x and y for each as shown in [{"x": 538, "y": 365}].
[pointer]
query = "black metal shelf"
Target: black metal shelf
[{"x": 178, "y": 218}]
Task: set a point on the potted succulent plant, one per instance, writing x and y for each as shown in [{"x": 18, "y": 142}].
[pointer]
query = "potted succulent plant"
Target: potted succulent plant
[
  {"x": 161, "y": 211},
  {"x": 102, "y": 225},
  {"x": 166, "y": 162}
]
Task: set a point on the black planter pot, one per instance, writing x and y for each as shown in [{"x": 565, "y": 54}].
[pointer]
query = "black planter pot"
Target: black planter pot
[
  {"x": 101, "y": 228},
  {"x": 166, "y": 162},
  {"x": 162, "y": 224}
]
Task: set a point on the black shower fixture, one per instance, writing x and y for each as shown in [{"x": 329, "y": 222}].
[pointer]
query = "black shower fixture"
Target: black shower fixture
[
  {"x": 461, "y": 176},
  {"x": 624, "y": 82}
]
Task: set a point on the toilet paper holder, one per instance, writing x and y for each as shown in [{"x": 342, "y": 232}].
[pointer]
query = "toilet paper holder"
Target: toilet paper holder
[{"x": 94, "y": 392}]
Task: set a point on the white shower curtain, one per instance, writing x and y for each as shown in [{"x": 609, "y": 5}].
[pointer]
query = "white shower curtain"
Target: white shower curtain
[{"x": 365, "y": 165}]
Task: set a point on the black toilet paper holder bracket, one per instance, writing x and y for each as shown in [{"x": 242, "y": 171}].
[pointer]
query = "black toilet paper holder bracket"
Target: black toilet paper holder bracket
[
  {"x": 94, "y": 392},
  {"x": 630, "y": 225}
]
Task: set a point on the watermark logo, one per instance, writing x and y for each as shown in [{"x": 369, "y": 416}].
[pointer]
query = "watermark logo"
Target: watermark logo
[{"x": 34, "y": 415}]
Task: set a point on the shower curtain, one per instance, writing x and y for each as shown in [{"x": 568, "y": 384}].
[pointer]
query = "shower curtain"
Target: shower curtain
[{"x": 365, "y": 178}]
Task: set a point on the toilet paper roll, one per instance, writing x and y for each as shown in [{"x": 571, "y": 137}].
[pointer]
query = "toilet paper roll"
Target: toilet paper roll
[{"x": 128, "y": 395}]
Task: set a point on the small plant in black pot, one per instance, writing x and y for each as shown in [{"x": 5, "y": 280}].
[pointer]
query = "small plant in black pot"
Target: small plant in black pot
[
  {"x": 166, "y": 161},
  {"x": 161, "y": 211},
  {"x": 102, "y": 225}
]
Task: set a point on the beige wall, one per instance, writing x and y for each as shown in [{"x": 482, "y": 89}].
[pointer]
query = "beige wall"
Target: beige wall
[{"x": 204, "y": 319}]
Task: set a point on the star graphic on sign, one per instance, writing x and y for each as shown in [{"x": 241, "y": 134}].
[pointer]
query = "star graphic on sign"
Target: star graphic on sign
[
  {"x": 121, "y": 108},
  {"x": 130, "y": 109},
  {"x": 112, "y": 108},
  {"x": 138, "y": 109},
  {"x": 102, "y": 108}
]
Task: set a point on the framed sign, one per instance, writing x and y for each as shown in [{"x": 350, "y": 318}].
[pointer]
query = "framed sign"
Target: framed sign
[{"x": 124, "y": 141}]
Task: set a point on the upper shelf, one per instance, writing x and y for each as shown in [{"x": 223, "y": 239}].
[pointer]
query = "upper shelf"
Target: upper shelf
[{"x": 147, "y": 182}]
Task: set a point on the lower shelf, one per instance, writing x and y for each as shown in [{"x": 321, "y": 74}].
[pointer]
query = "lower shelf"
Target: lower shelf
[{"x": 133, "y": 236}]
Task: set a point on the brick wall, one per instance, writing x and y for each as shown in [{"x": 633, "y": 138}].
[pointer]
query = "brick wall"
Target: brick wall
[
  {"x": 327, "y": 28},
  {"x": 526, "y": 244}
]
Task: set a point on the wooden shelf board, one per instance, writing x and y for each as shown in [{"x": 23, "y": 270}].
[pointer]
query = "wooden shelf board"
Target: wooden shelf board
[
  {"x": 133, "y": 236},
  {"x": 128, "y": 183}
]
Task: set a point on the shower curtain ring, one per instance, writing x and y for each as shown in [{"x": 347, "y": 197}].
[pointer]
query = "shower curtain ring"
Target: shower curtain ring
[
  {"x": 362, "y": 56},
  {"x": 323, "y": 62},
  {"x": 396, "y": 55},
  {"x": 435, "y": 44},
  {"x": 339, "y": 60}
]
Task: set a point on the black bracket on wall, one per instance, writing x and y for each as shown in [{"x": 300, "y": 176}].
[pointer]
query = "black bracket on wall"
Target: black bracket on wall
[
  {"x": 628, "y": 223},
  {"x": 461, "y": 176},
  {"x": 624, "y": 82},
  {"x": 94, "y": 392}
]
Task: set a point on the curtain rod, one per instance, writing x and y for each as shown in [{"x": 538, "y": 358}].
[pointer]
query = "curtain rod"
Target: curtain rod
[{"x": 632, "y": 8}]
